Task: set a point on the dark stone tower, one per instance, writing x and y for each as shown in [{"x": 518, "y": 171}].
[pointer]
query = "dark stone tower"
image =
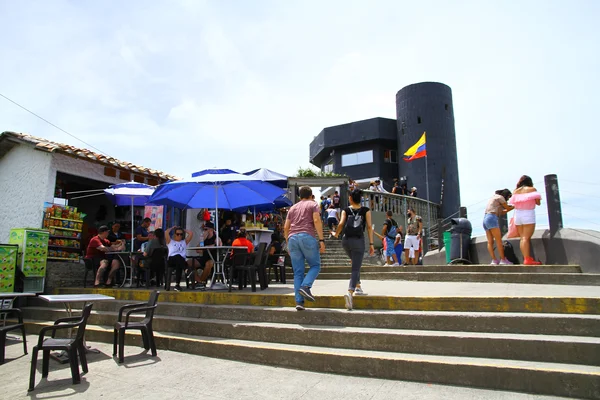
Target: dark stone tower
[{"x": 427, "y": 107}]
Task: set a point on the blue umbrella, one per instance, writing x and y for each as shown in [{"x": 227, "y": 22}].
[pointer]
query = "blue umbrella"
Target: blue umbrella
[
  {"x": 279, "y": 202},
  {"x": 130, "y": 194},
  {"x": 216, "y": 189}
]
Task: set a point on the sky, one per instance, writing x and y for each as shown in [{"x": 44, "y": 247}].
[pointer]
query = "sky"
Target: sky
[{"x": 184, "y": 85}]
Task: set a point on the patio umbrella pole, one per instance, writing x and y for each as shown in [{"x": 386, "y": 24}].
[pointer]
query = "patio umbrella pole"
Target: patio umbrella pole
[
  {"x": 132, "y": 227},
  {"x": 217, "y": 219}
]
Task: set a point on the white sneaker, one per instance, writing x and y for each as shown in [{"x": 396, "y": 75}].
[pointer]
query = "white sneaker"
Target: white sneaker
[
  {"x": 504, "y": 261},
  {"x": 348, "y": 301},
  {"x": 494, "y": 262},
  {"x": 395, "y": 265},
  {"x": 359, "y": 292},
  {"x": 387, "y": 265}
]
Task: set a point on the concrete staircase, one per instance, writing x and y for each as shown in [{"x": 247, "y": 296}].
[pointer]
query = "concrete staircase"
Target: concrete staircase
[
  {"x": 544, "y": 274},
  {"x": 545, "y": 344}
]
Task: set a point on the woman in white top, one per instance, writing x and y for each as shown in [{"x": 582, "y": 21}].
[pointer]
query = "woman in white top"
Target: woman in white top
[
  {"x": 177, "y": 253},
  {"x": 332, "y": 218}
]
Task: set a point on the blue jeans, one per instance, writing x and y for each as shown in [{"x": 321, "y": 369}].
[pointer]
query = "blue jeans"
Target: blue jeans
[
  {"x": 301, "y": 247},
  {"x": 490, "y": 221}
]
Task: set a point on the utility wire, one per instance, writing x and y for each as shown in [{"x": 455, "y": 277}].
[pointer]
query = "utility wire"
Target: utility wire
[
  {"x": 57, "y": 127},
  {"x": 580, "y": 194},
  {"x": 575, "y": 205},
  {"x": 582, "y": 183}
]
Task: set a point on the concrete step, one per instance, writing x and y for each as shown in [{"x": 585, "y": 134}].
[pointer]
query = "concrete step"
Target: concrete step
[
  {"x": 544, "y": 348},
  {"x": 493, "y": 277},
  {"x": 535, "y": 377},
  {"x": 563, "y": 269},
  {"x": 532, "y": 304},
  {"x": 500, "y": 322}
]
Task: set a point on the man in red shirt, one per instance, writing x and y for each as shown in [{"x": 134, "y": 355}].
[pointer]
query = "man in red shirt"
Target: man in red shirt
[{"x": 96, "y": 250}]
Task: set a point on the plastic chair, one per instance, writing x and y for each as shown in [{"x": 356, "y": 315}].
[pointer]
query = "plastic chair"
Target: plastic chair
[
  {"x": 239, "y": 259},
  {"x": 274, "y": 263},
  {"x": 248, "y": 268},
  {"x": 89, "y": 266},
  {"x": 7, "y": 328},
  {"x": 145, "y": 326},
  {"x": 72, "y": 346}
]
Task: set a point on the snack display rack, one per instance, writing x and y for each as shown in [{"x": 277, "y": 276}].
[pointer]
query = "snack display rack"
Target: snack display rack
[{"x": 65, "y": 225}]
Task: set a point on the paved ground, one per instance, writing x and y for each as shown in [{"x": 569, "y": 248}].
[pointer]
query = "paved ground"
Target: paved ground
[{"x": 181, "y": 376}]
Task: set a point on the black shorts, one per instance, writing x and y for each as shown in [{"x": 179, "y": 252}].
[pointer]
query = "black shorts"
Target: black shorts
[{"x": 206, "y": 256}]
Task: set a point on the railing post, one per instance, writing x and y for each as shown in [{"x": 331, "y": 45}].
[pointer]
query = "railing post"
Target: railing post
[
  {"x": 503, "y": 222},
  {"x": 440, "y": 235},
  {"x": 553, "y": 201}
]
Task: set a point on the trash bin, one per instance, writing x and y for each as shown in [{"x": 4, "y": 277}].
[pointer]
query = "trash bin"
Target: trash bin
[
  {"x": 461, "y": 239},
  {"x": 448, "y": 245}
]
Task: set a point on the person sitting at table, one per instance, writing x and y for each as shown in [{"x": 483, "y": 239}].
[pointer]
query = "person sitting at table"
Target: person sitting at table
[
  {"x": 207, "y": 260},
  {"x": 157, "y": 241},
  {"x": 115, "y": 233},
  {"x": 227, "y": 233},
  {"x": 242, "y": 240},
  {"x": 177, "y": 252},
  {"x": 99, "y": 245},
  {"x": 275, "y": 246}
]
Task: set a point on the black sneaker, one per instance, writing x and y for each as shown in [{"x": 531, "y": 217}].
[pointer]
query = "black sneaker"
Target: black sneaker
[
  {"x": 305, "y": 292},
  {"x": 177, "y": 288},
  {"x": 300, "y": 307}
]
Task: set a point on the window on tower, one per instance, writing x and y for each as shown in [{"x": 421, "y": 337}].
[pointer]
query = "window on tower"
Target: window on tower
[
  {"x": 418, "y": 120},
  {"x": 390, "y": 156},
  {"x": 363, "y": 157}
]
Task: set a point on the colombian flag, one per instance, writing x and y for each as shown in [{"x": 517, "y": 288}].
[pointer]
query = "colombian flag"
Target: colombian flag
[{"x": 418, "y": 150}]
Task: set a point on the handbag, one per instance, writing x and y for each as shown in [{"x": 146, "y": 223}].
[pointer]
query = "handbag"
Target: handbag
[{"x": 513, "y": 232}]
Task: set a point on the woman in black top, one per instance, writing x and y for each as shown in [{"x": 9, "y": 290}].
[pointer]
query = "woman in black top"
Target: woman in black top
[{"x": 353, "y": 222}]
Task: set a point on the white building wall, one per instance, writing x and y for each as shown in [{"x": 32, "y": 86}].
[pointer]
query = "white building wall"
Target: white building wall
[
  {"x": 25, "y": 184},
  {"x": 80, "y": 167}
]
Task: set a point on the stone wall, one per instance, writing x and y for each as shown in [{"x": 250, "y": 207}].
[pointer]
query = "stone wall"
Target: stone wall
[{"x": 65, "y": 274}]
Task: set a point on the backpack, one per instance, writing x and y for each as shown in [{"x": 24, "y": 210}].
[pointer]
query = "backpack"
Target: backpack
[
  {"x": 354, "y": 224},
  {"x": 391, "y": 234},
  {"x": 509, "y": 252}
]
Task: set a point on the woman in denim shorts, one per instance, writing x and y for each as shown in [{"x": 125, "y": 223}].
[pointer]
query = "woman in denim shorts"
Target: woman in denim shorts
[{"x": 496, "y": 206}]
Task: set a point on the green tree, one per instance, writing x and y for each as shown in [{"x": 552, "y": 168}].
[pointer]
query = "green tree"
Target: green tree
[{"x": 309, "y": 172}]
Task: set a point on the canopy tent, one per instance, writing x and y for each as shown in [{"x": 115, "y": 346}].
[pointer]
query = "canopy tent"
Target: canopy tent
[{"x": 266, "y": 175}]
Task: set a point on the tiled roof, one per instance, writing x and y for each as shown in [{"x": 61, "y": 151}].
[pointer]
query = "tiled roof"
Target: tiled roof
[{"x": 52, "y": 147}]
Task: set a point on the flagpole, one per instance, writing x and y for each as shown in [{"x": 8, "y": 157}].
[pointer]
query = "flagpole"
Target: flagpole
[{"x": 428, "y": 207}]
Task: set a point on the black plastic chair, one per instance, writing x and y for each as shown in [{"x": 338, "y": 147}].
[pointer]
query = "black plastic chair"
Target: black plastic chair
[
  {"x": 239, "y": 259},
  {"x": 89, "y": 266},
  {"x": 277, "y": 267},
  {"x": 248, "y": 268},
  {"x": 145, "y": 326},
  {"x": 7, "y": 328},
  {"x": 72, "y": 346}
]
